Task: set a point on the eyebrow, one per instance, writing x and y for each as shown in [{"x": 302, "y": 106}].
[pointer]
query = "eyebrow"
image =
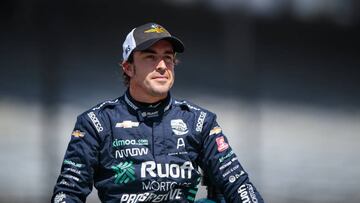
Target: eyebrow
[{"x": 154, "y": 52}]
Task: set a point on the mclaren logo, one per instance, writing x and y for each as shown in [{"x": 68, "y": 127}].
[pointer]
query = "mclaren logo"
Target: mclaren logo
[
  {"x": 155, "y": 28},
  {"x": 127, "y": 124}
]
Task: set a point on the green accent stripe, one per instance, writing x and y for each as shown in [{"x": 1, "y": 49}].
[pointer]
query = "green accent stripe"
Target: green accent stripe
[
  {"x": 190, "y": 198},
  {"x": 193, "y": 191}
]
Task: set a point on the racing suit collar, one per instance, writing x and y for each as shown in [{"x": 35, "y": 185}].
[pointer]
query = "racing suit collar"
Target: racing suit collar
[{"x": 147, "y": 111}]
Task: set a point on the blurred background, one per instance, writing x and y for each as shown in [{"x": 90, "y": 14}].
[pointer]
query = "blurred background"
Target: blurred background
[{"x": 282, "y": 76}]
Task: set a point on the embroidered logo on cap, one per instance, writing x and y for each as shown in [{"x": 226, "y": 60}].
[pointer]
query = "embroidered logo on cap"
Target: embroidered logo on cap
[{"x": 155, "y": 28}]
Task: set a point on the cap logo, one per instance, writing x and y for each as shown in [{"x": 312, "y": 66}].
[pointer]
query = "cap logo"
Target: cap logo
[
  {"x": 155, "y": 28},
  {"x": 128, "y": 48}
]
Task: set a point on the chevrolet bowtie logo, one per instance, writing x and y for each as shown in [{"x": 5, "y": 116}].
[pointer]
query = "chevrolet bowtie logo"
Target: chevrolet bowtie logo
[
  {"x": 127, "y": 124},
  {"x": 77, "y": 133}
]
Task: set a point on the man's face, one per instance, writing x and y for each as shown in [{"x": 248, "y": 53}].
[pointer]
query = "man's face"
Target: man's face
[{"x": 152, "y": 71}]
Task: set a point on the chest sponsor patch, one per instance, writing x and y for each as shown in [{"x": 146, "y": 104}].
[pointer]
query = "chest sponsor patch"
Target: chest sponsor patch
[
  {"x": 221, "y": 144},
  {"x": 127, "y": 124},
  {"x": 179, "y": 127},
  {"x": 124, "y": 172}
]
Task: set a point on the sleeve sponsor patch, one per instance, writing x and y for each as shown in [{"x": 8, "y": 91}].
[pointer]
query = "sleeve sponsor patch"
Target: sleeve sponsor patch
[
  {"x": 95, "y": 121},
  {"x": 200, "y": 121},
  {"x": 78, "y": 133},
  {"x": 221, "y": 144},
  {"x": 215, "y": 130}
]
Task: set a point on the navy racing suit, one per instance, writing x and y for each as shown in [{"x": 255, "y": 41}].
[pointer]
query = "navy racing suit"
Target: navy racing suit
[{"x": 133, "y": 152}]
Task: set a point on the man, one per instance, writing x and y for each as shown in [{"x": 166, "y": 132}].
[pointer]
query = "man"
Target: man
[{"x": 145, "y": 146}]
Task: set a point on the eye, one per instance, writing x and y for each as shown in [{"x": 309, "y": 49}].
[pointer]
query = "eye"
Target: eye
[
  {"x": 150, "y": 57},
  {"x": 169, "y": 58}
]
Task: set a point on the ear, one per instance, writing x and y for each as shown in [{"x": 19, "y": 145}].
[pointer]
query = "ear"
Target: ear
[{"x": 128, "y": 68}]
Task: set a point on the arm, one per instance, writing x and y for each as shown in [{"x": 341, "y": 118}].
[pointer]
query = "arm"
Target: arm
[
  {"x": 223, "y": 168},
  {"x": 76, "y": 178}
]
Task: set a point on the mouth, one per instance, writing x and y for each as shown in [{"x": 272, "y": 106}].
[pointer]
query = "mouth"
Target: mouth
[{"x": 160, "y": 78}]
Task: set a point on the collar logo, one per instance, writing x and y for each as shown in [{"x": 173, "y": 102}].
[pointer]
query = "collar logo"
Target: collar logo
[
  {"x": 155, "y": 28},
  {"x": 179, "y": 127},
  {"x": 127, "y": 124}
]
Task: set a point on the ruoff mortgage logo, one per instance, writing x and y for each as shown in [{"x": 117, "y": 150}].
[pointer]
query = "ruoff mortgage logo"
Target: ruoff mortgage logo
[{"x": 124, "y": 172}]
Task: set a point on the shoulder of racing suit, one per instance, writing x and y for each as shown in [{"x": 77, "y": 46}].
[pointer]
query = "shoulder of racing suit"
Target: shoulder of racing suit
[
  {"x": 99, "y": 118},
  {"x": 203, "y": 117},
  {"x": 97, "y": 115}
]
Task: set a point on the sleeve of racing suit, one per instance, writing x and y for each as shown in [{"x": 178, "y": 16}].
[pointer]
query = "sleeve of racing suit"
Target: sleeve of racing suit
[
  {"x": 223, "y": 168},
  {"x": 76, "y": 178}
]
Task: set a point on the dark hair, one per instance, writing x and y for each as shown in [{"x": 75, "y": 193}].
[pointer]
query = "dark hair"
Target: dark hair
[{"x": 126, "y": 78}]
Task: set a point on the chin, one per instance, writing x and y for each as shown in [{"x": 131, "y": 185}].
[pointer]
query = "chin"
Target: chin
[{"x": 160, "y": 90}]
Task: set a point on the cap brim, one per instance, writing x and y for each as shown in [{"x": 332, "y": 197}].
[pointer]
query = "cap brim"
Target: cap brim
[{"x": 178, "y": 46}]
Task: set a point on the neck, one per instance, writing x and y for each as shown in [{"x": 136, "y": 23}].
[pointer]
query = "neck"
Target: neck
[{"x": 146, "y": 98}]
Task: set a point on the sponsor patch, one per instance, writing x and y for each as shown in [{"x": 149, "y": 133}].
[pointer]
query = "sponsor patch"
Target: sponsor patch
[
  {"x": 225, "y": 165},
  {"x": 215, "y": 130},
  {"x": 139, "y": 142},
  {"x": 221, "y": 159},
  {"x": 252, "y": 193},
  {"x": 221, "y": 144},
  {"x": 228, "y": 163},
  {"x": 177, "y": 153},
  {"x": 130, "y": 152},
  {"x": 166, "y": 170},
  {"x": 64, "y": 182},
  {"x": 230, "y": 170},
  {"x": 71, "y": 177},
  {"x": 127, "y": 124},
  {"x": 95, "y": 121},
  {"x": 179, "y": 127},
  {"x": 233, "y": 178},
  {"x": 73, "y": 170},
  {"x": 124, "y": 172},
  {"x": 78, "y": 133},
  {"x": 150, "y": 114},
  {"x": 59, "y": 198},
  {"x": 200, "y": 121},
  {"x": 246, "y": 192},
  {"x": 69, "y": 162},
  {"x": 175, "y": 194},
  {"x": 163, "y": 186}
]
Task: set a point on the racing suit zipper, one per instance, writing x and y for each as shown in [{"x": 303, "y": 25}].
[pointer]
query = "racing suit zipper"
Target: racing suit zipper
[{"x": 153, "y": 139}]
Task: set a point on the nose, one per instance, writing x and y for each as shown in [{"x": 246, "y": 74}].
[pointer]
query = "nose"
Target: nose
[{"x": 161, "y": 66}]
